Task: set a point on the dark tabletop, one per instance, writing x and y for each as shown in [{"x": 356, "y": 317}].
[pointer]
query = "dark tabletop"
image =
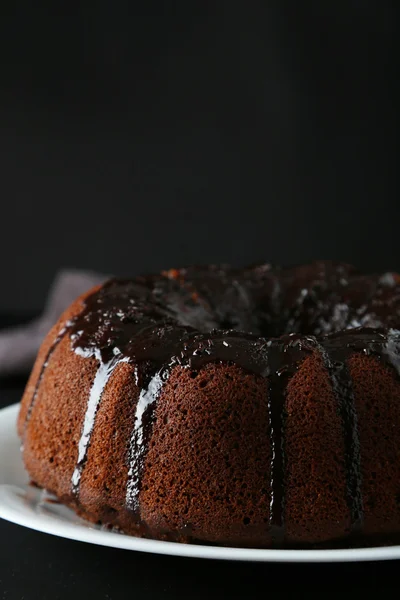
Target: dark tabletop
[{"x": 38, "y": 566}]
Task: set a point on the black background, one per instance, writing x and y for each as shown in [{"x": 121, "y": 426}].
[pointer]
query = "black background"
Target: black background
[{"x": 133, "y": 139}]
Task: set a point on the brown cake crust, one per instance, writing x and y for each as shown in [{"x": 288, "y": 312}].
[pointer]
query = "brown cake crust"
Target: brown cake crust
[
  {"x": 377, "y": 396},
  {"x": 316, "y": 508}
]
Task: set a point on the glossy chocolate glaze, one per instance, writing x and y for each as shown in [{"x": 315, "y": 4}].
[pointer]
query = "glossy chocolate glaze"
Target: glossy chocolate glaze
[
  {"x": 193, "y": 316},
  {"x": 334, "y": 360}
]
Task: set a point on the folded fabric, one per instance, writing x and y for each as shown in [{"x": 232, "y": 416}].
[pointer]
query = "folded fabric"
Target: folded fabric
[{"x": 19, "y": 345}]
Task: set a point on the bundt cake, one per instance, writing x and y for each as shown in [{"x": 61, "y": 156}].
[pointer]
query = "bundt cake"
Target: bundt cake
[{"x": 257, "y": 407}]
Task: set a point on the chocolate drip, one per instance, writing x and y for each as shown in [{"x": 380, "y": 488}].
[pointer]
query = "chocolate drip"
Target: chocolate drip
[
  {"x": 102, "y": 376},
  {"x": 142, "y": 428},
  {"x": 284, "y": 356},
  {"x": 276, "y": 393},
  {"x": 342, "y": 387}
]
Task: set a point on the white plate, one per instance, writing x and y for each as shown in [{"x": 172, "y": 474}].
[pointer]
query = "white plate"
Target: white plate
[{"x": 23, "y": 504}]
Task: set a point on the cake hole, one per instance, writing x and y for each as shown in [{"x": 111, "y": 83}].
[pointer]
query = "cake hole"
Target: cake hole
[
  {"x": 204, "y": 383},
  {"x": 246, "y": 521}
]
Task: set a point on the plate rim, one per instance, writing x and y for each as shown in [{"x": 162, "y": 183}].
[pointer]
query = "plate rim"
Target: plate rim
[{"x": 52, "y": 525}]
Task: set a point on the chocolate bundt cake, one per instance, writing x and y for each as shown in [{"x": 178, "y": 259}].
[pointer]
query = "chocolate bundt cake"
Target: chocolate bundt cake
[{"x": 256, "y": 407}]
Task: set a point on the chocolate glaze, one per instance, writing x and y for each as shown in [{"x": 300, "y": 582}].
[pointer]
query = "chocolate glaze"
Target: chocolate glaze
[
  {"x": 334, "y": 360},
  {"x": 283, "y": 357},
  {"x": 190, "y": 317},
  {"x": 102, "y": 376}
]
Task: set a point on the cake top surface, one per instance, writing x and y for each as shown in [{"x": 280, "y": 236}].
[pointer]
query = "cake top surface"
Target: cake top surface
[{"x": 221, "y": 313}]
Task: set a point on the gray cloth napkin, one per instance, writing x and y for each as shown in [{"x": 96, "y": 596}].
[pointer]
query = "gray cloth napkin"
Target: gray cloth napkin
[{"x": 19, "y": 345}]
